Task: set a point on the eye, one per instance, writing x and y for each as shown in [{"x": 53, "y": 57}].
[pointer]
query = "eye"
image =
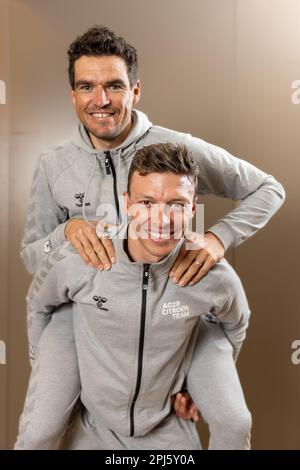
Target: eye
[
  {"x": 146, "y": 203},
  {"x": 85, "y": 88},
  {"x": 177, "y": 205},
  {"x": 114, "y": 87}
]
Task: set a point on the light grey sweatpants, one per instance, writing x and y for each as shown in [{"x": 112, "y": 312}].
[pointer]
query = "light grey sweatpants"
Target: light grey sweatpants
[
  {"x": 215, "y": 387},
  {"x": 54, "y": 384},
  {"x": 172, "y": 433},
  {"x": 54, "y": 387}
]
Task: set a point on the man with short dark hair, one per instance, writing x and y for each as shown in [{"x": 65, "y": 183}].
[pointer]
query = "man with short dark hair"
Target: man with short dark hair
[
  {"x": 102, "y": 73},
  {"x": 90, "y": 170},
  {"x": 135, "y": 330}
]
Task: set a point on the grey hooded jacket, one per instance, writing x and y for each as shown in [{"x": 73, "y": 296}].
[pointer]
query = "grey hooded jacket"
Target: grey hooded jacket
[
  {"x": 75, "y": 176},
  {"x": 134, "y": 329}
]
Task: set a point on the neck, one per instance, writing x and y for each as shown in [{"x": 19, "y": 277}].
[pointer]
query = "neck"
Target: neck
[{"x": 137, "y": 252}]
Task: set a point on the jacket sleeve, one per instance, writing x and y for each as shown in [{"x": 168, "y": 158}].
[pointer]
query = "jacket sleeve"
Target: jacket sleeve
[
  {"x": 231, "y": 308},
  {"x": 54, "y": 284},
  {"x": 222, "y": 174},
  {"x": 45, "y": 224}
]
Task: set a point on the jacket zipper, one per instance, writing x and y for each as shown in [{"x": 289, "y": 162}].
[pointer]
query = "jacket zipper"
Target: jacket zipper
[
  {"x": 110, "y": 169},
  {"x": 141, "y": 345}
]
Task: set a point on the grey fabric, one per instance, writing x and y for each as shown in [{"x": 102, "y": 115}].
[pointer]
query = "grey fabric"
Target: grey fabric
[
  {"x": 214, "y": 384},
  {"x": 74, "y": 168},
  {"x": 171, "y": 434},
  {"x": 54, "y": 386},
  {"x": 107, "y": 339}
]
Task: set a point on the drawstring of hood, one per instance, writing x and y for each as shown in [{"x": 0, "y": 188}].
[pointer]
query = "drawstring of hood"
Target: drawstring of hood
[
  {"x": 86, "y": 191},
  {"x": 141, "y": 126}
]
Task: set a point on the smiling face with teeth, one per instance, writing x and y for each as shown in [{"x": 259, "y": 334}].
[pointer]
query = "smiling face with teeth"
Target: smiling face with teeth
[
  {"x": 160, "y": 206},
  {"x": 103, "y": 99}
]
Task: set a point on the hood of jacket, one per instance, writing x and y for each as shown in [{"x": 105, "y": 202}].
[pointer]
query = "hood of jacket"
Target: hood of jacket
[{"x": 141, "y": 126}]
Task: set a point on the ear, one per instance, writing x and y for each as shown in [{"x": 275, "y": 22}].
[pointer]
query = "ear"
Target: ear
[
  {"x": 195, "y": 202},
  {"x": 72, "y": 93},
  {"x": 126, "y": 200},
  {"x": 194, "y": 207},
  {"x": 136, "y": 92}
]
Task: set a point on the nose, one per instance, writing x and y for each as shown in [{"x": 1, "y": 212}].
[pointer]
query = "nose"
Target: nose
[
  {"x": 159, "y": 218},
  {"x": 163, "y": 216},
  {"x": 100, "y": 97}
]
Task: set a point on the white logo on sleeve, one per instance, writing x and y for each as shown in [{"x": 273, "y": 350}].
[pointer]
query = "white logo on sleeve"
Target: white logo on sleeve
[{"x": 175, "y": 309}]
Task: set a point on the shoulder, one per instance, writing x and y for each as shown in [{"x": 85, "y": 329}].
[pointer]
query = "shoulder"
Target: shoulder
[
  {"x": 158, "y": 134},
  {"x": 225, "y": 279},
  {"x": 64, "y": 258},
  {"x": 196, "y": 145},
  {"x": 59, "y": 274},
  {"x": 63, "y": 152},
  {"x": 57, "y": 159}
]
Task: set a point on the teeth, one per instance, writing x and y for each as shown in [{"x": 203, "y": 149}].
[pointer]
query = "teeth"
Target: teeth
[
  {"x": 160, "y": 235},
  {"x": 101, "y": 115}
]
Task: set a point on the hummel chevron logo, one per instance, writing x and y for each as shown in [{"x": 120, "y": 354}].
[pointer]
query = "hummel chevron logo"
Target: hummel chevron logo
[
  {"x": 80, "y": 197},
  {"x": 100, "y": 301}
]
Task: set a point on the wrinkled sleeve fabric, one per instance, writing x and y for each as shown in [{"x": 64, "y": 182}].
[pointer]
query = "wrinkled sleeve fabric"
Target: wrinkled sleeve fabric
[
  {"x": 231, "y": 307},
  {"x": 55, "y": 283},
  {"x": 46, "y": 221},
  {"x": 222, "y": 174}
]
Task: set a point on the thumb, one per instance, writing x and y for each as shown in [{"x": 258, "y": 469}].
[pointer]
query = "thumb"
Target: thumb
[{"x": 193, "y": 240}]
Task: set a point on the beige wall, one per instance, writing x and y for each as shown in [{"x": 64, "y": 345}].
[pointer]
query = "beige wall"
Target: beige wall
[
  {"x": 220, "y": 69},
  {"x": 267, "y": 130},
  {"x": 4, "y": 179}
]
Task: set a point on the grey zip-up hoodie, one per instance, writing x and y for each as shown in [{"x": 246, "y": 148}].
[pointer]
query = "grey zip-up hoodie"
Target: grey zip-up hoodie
[
  {"x": 134, "y": 329},
  {"x": 75, "y": 174}
]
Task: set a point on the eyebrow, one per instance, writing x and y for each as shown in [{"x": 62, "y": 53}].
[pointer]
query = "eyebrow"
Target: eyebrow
[
  {"x": 116, "y": 81},
  {"x": 150, "y": 198},
  {"x": 83, "y": 82}
]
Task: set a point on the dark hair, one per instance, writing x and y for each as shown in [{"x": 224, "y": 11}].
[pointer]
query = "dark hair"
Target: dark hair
[
  {"x": 164, "y": 158},
  {"x": 100, "y": 41}
]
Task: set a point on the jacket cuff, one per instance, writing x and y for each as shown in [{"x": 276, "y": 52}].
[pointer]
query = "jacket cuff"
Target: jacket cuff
[
  {"x": 224, "y": 233},
  {"x": 57, "y": 237}
]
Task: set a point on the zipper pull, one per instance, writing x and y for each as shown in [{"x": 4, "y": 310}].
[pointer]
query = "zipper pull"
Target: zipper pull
[
  {"x": 107, "y": 163},
  {"x": 146, "y": 276}
]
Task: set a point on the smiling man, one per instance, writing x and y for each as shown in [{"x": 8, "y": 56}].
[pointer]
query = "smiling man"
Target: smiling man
[
  {"x": 104, "y": 80},
  {"x": 135, "y": 330},
  {"x": 105, "y": 88},
  {"x": 91, "y": 169},
  {"x": 161, "y": 205}
]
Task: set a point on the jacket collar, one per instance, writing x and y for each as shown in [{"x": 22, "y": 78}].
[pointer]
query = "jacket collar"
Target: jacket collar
[
  {"x": 141, "y": 125},
  {"x": 135, "y": 267}
]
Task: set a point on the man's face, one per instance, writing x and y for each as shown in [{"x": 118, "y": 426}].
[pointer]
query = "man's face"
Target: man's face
[
  {"x": 103, "y": 98},
  {"x": 161, "y": 206}
]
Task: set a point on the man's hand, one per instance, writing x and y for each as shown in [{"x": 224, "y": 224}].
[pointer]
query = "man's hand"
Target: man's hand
[
  {"x": 93, "y": 250},
  {"x": 191, "y": 265},
  {"x": 184, "y": 407}
]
